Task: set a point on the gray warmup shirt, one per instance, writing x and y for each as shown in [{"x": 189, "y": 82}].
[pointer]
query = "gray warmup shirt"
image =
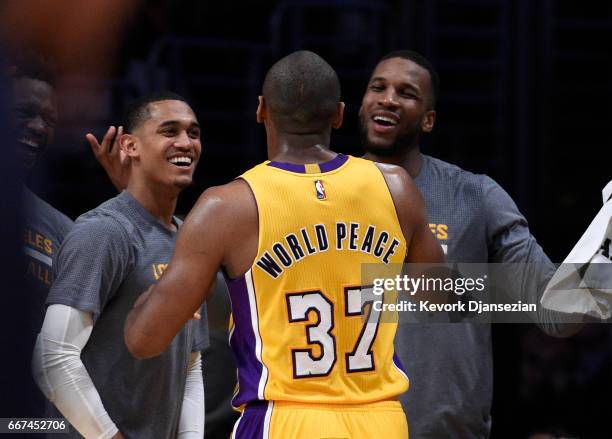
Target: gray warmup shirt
[
  {"x": 44, "y": 230},
  {"x": 111, "y": 256},
  {"x": 450, "y": 366}
]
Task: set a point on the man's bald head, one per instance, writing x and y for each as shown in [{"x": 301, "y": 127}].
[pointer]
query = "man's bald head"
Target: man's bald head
[{"x": 302, "y": 93}]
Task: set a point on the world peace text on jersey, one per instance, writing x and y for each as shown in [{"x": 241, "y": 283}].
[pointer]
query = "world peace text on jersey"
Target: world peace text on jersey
[{"x": 316, "y": 239}]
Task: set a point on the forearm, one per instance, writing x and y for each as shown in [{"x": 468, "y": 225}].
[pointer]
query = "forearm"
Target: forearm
[
  {"x": 524, "y": 268},
  {"x": 533, "y": 279},
  {"x": 526, "y": 280},
  {"x": 554, "y": 324},
  {"x": 61, "y": 375},
  {"x": 191, "y": 423}
]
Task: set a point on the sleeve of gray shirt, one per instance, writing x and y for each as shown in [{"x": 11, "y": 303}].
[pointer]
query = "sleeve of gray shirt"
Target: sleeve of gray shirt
[
  {"x": 91, "y": 264},
  {"x": 526, "y": 268},
  {"x": 65, "y": 226},
  {"x": 201, "y": 338}
]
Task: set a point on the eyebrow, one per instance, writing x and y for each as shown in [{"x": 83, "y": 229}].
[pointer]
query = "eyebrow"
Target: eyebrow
[
  {"x": 178, "y": 122},
  {"x": 31, "y": 105},
  {"x": 377, "y": 78}
]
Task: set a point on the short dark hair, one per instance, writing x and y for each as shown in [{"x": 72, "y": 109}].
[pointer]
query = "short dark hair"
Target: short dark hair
[
  {"x": 302, "y": 91},
  {"x": 33, "y": 65},
  {"x": 137, "y": 111},
  {"x": 419, "y": 59}
]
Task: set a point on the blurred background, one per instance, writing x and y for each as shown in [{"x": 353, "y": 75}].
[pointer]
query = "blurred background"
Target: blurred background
[{"x": 526, "y": 95}]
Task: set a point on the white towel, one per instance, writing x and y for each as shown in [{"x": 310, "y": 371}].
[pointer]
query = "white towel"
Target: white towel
[{"x": 583, "y": 283}]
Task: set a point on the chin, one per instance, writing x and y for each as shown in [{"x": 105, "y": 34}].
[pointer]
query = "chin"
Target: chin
[
  {"x": 27, "y": 162},
  {"x": 183, "y": 183},
  {"x": 28, "y": 165},
  {"x": 372, "y": 146},
  {"x": 379, "y": 148}
]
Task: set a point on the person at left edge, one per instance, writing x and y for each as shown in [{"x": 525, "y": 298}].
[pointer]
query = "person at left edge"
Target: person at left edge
[
  {"x": 34, "y": 118},
  {"x": 34, "y": 115},
  {"x": 44, "y": 227},
  {"x": 112, "y": 253}
]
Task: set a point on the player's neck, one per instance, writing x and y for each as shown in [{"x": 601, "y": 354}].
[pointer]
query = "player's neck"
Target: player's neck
[
  {"x": 158, "y": 201},
  {"x": 410, "y": 159},
  {"x": 301, "y": 149}
]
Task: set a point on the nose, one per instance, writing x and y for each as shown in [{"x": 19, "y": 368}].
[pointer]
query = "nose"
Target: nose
[
  {"x": 183, "y": 141},
  {"x": 37, "y": 125},
  {"x": 389, "y": 98}
]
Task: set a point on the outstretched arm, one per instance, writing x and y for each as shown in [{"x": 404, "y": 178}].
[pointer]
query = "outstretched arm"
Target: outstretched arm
[
  {"x": 213, "y": 235},
  {"x": 168, "y": 305},
  {"x": 524, "y": 268}
]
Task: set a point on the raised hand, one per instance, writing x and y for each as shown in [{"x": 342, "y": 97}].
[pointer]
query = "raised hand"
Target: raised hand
[{"x": 108, "y": 153}]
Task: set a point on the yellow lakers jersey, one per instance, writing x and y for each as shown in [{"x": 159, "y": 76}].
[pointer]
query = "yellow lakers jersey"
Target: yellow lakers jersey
[{"x": 301, "y": 330}]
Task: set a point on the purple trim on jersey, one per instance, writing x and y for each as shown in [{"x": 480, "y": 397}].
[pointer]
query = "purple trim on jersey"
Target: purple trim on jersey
[
  {"x": 292, "y": 167},
  {"x": 399, "y": 364},
  {"x": 242, "y": 342},
  {"x": 251, "y": 423},
  {"x": 327, "y": 166},
  {"x": 334, "y": 163}
]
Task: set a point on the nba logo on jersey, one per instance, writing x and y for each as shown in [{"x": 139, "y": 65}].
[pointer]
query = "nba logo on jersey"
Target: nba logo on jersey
[{"x": 320, "y": 190}]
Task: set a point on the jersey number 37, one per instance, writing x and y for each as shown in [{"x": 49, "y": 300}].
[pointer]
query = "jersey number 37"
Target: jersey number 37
[{"x": 360, "y": 359}]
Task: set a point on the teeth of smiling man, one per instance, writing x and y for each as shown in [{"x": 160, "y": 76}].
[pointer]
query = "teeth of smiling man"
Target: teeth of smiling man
[
  {"x": 29, "y": 142},
  {"x": 385, "y": 119},
  {"x": 176, "y": 160}
]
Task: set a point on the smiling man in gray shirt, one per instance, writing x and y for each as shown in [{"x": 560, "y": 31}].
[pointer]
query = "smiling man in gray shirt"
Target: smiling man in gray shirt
[
  {"x": 34, "y": 120},
  {"x": 111, "y": 255},
  {"x": 450, "y": 366}
]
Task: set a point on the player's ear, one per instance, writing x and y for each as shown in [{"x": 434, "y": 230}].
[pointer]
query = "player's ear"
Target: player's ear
[
  {"x": 261, "y": 113},
  {"x": 127, "y": 142},
  {"x": 428, "y": 121},
  {"x": 339, "y": 116}
]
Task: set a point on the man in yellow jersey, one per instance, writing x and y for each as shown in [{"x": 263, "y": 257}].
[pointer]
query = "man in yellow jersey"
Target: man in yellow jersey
[{"x": 291, "y": 235}]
